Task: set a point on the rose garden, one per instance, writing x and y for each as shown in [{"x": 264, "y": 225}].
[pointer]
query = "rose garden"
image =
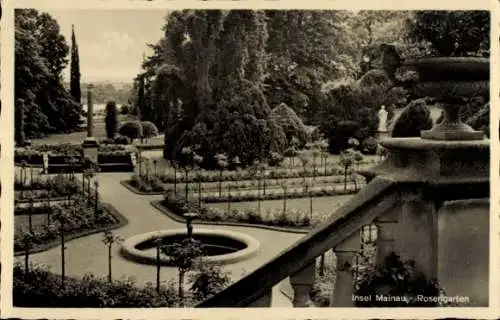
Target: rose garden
[{"x": 302, "y": 184}]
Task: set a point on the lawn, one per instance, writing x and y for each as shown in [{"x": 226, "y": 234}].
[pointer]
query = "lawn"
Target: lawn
[{"x": 320, "y": 204}]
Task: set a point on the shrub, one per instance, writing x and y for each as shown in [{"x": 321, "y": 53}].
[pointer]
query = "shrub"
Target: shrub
[
  {"x": 415, "y": 118},
  {"x": 124, "y": 109},
  {"x": 209, "y": 280},
  {"x": 291, "y": 123},
  {"x": 131, "y": 130},
  {"x": 111, "y": 119},
  {"x": 42, "y": 288},
  {"x": 369, "y": 146},
  {"x": 149, "y": 129},
  {"x": 122, "y": 140},
  {"x": 396, "y": 278},
  {"x": 481, "y": 120}
]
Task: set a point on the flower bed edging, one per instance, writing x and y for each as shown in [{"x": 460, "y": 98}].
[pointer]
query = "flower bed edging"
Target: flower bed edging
[
  {"x": 126, "y": 184},
  {"x": 174, "y": 216},
  {"x": 122, "y": 221}
]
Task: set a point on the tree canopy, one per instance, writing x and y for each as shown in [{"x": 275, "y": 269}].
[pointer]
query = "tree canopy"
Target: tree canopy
[{"x": 40, "y": 56}]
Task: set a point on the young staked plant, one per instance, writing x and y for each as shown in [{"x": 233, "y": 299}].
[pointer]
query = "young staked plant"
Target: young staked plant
[
  {"x": 62, "y": 217},
  {"x": 222, "y": 163},
  {"x": 184, "y": 256},
  {"x": 26, "y": 238},
  {"x": 109, "y": 239}
]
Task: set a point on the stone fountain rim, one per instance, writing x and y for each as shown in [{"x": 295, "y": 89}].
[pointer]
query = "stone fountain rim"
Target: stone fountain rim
[{"x": 129, "y": 251}]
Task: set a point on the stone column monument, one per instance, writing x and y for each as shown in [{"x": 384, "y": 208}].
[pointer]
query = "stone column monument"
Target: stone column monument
[
  {"x": 382, "y": 130},
  {"x": 90, "y": 144}
]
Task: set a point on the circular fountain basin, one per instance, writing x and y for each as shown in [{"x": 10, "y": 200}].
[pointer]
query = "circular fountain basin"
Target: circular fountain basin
[{"x": 220, "y": 246}]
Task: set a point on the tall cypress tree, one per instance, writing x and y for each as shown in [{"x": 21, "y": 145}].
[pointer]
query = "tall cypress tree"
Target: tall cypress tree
[{"x": 75, "y": 69}]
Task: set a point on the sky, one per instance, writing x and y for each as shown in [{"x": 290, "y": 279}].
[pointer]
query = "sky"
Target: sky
[{"x": 111, "y": 43}]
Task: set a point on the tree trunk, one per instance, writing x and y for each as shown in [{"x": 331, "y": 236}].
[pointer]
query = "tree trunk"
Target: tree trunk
[
  {"x": 175, "y": 181},
  {"x": 284, "y": 201},
  {"x": 158, "y": 267},
  {"x": 26, "y": 260},
  {"x": 311, "y": 205},
  {"x": 83, "y": 185},
  {"x": 228, "y": 199},
  {"x": 110, "y": 276},
  {"x": 220, "y": 183},
  {"x": 345, "y": 179},
  {"x": 199, "y": 192},
  {"x": 186, "y": 185},
  {"x": 181, "y": 288},
  {"x": 63, "y": 266}
]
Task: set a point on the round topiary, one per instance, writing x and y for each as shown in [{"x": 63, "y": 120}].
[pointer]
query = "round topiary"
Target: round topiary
[
  {"x": 415, "y": 118},
  {"x": 125, "y": 109},
  {"x": 149, "y": 129},
  {"x": 121, "y": 140},
  {"x": 131, "y": 130}
]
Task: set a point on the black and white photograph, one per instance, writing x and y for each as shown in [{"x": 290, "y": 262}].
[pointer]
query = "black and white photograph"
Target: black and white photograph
[{"x": 241, "y": 158}]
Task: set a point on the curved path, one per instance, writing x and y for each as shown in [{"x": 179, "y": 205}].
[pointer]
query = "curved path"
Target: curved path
[{"x": 89, "y": 254}]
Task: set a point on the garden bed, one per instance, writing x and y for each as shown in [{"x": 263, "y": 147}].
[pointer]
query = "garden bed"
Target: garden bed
[
  {"x": 46, "y": 235},
  {"x": 292, "y": 219}
]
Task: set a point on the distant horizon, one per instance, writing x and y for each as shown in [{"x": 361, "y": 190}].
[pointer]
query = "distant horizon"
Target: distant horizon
[{"x": 110, "y": 45}]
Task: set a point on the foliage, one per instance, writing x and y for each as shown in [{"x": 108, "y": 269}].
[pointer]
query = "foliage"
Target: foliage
[
  {"x": 453, "y": 33},
  {"x": 152, "y": 184},
  {"x": 131, "y": 130},
  {"x": 292, "y": 125},
  {"x": 121, "y": 140},
  {"x": 209, "y": 280},
  {"x": 124, "y": 109},
  {"x": 413, "y": 119},
  {"x": 396, "y": 278},
  {"x": 149, "y": 129},
  {"x": 42, "y": 288},
  {"x": 78, "y": 215},
  {"x": 351, "y": 111},
  {"x": 111, "y": 119},
  {"x": 481, "y": 120},
  {"x": 19, "y": 122},
  {"x": 75, "y": 75},
  {"x": 40, "y": 57}
]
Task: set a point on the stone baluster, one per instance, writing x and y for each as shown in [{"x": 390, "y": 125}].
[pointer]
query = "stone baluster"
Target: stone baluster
[
  {"x": 263, "y": 302},
  {"x": 302, "y": 283},
  {"x": 386, "y": 226},
  {"x": 343, "y": 290},
  {"x": 416, "y": 236}
]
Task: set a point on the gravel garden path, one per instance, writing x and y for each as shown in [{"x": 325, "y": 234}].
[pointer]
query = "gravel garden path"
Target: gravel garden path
[{"x": 89, "y": 254}]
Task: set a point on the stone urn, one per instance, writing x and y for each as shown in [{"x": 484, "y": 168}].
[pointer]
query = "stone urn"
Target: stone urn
[{"x": 451, "y": 81}]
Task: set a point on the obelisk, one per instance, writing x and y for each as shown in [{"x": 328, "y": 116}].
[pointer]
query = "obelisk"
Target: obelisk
[
  {"x": 90, "y": 111},
  {"x": 90, "y": 144}
]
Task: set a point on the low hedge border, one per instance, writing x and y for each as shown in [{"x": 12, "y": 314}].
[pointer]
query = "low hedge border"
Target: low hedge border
[
  {"x": 268, "y": 197},
  {"x": 42, "y": 200},
  {"x": 126, "y": 184},
  {"x": 178, "y": 218},
  {"x": 150, "y": 146},
  {"x": 122, "y": 221}
]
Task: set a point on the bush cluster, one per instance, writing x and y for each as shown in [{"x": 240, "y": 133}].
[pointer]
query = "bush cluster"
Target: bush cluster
[{"x": 42, "y": 288}]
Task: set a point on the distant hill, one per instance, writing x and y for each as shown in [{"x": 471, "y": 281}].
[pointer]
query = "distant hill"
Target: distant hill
[{"x": 105, "y": 91}]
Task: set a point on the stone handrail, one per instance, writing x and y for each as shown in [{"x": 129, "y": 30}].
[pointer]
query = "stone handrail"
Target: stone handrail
[
  {"x": 375, "y": 203},
  {"x": 374, "y": 200}
]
